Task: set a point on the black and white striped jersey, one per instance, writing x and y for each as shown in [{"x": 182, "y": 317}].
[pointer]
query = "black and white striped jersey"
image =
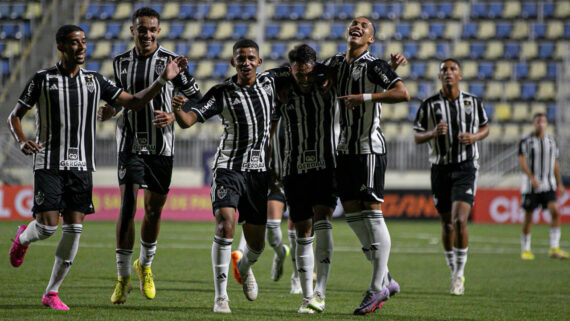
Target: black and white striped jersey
[
  {"x": 465, "y": 114},
  {"x": 308, "y": 120},
  {"x": 135, "y": 131},
  {"x": 65, "y": 116},
  {"x": 278, "y": 150},
  {"x": 540, "y": 154},
  {"x": 246, "y": 119},
  {"x": 360, "y": 131}
]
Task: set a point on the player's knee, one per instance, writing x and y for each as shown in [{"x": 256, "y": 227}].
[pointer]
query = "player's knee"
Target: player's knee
[
  {"x": 460, "y": 221},
  {"x": 447, "y": 227}
]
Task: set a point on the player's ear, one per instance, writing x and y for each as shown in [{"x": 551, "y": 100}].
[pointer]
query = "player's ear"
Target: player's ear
[
  {"x": 232, "y": 62},
  {"x": 260, "y": 61},
  {"x": 460, "y": 74},
  {"x": 60, "y": 47},
  {"x": 132, "y": 30}
]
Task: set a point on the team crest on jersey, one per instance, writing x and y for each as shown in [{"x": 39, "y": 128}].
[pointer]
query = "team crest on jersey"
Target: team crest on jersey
[
  {"x": 267, "y": 88},
  {"x": 468, "y": 107},
  {"x": 90, "y": 84},
  {"x": 221, "y": 192},
  {"x": 159, "y": 67},
  {"x": 39, "y": 198}
]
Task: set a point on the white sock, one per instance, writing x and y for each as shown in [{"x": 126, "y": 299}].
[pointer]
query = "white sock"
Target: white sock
[
  {"x": 554, "y": 237},
  {"x": 356, "y": 223},
  {"x": 450, "y": 260},
  {"x": 460, "y": 260},
  {"x": 64, "y": 255},
  {"x": 305, "y": 264},
  {"x": 123, "y": 262},
  {"x": 147, "y": 253},
  {"x": 242, "y": 243},
  {"x": 293, "y": 244},
  {"x": 525, "y": 242},
  {"x": 36, "y": 231},
  {"x": 380, "y": 244},
  {"x": 221, "y": 256},
  {"x": 248, "y": 259},
  {"x": 274, "y": 237},
  {"x": 323, "y": 253}
]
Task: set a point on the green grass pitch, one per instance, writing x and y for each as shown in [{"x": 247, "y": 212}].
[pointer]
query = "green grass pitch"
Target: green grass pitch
[{"x": 499, "y": 285}]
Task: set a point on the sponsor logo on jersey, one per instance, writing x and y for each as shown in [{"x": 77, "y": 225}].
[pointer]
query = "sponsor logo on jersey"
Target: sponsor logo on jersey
[
  {"x": 73, "y": 153},
  {"x": 124, "y": 71},
  {"x": 53, "y": 87},
  {"x": 310, "y": 160}
]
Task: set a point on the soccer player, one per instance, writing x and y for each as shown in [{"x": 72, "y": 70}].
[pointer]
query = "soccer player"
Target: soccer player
[
  {"x": 452, "y": 121},
  {"x": 363, "y": 83},
  {"x": 538, "y": 157},
  {"x": 245, "y": 103},
  {"x": 67, "y": 97},
  {"x": 145, "y": 151}
]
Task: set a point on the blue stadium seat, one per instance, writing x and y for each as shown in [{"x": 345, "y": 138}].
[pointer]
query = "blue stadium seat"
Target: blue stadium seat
[
  {"x": 339, "y": 11},
  {"x": 436, "y": 30},
  {"x": 182, "y": 48},
  {"x": 272, "y": 30},
  {"x": 425, "y": 89},
  {"x": 341, "y": 47},
  {"x": 278, "y": 50},
  {"x": 2, "y": 47},
  {"x": 469, "y": 30},
  {"x": 539, "y": 30},
  {"x": 240, "y": 30},
  {"x": 395, "y": 10},
  {"x": 442, "y": 50},
  {"x": 477, "y": 88},
  {"x": 89, "y": 49},
  {"x": 429, "y": 10},
  {"x": 193, "y": 11},
  {"x": 567, "y": 30},
  {"x": 208, "y": 30},
  {"x": 27, "y": 29},
  {"x": 281, "y": 11},
  {"x": 479, "y": 10},
  {"x": 234, "y": 11},
  {"x": 445, "y": 10},
  {"x": 551, "y": 70},
  {"x": 192, "y": 67},
  {"x": 486, "y": 70},
  {"x": 93, "y": 65},
  {"x": 490, "y": 110},
  {"x": 551, "y": 112},
  {"x": 113, "y": 30},
  {"x": 249, "y": 11},
  {"x": 8, "y": 30},
  {"x": 494, "y": 10},
  {"x": 418, "y": 70},
  {"x": 214, "y": 50},
  {"x": 304, "y": 31},
  {"x": 545, "y": 50},
  {"x": 338, "y": 31},
  {"x": 202, "y": 10},
  {"x": 186, "y": 11},
  {"x": 18, "y": 10},
  {"x": 477, "y": 50},
  {"x": 329, "y": 10},
  {"x": 297, "y": 11},
  {"x": 521, "y": 70},
  {"x": 377, "y": 49},
  {"x": 547, "y": 9},
  {"x": 4, "y": 11},
  {"x": 5, "y": 67},
  {"x": 92, "y": 11},
  {"x": 220, "y": 70},
  {"x": 176, "y": 30},
  {"x": 379, "y": 10},
  {"x": 107, "y": 11},
  {"x": 156, "y": 7},
  {"x": 512, "y": 50},
  {"x": 412, "y": 112},
  {"x": 528, "y": 9},
  {"x": 411, "y": 50},
  {"x": 528, "y": 90},
  {"x": 402, "y": 30},
  {"x": 118, "y": 48},
  {"x": 503, "y": 30}
]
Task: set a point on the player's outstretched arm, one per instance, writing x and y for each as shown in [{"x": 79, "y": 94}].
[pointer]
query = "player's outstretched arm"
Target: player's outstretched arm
[
  {"x": 27, "y": 146},
  {"x": 183, "y": 118},
  {"x": 139, "y": 100}
]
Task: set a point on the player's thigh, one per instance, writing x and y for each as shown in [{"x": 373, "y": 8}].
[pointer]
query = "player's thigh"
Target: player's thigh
[
  {"x": 463, "y": 186},
  {"x": 322, "y": 186},
  {"x": 130, "y": 170},
  {"x": 441, "y": 188},
  {"x": 227, "y": 188},
  {"x": 158, "y": 173}
]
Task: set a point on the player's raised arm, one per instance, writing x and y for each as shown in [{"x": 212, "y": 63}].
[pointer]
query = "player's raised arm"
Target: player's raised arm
[{"x": 139, "y": 100}]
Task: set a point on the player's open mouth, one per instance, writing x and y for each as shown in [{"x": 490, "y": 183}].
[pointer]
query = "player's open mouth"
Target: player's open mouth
[
  {"x": 246, "y": 71},
  {"x": 147, "y": 42},
  {"x": 355, "y": 34}
]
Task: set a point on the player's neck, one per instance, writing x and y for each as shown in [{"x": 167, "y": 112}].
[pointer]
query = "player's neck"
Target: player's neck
[
  {"x": 539, "y": 135},
  {"x": 450, "y": 92},
  {"x": 354, "y": 52},
  {"x": 69, "y": 68},
  {"x": 142, "y": 53},
  {"x": 246, "y": 82}
]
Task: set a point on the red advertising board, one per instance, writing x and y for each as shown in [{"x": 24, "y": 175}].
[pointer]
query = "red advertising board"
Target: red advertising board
[{"x": 504, "y": 206}]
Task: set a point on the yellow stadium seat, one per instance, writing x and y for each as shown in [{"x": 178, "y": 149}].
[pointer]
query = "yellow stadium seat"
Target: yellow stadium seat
[
  {"x": 520, "y": 29},
  {"x": 197, "y": 50},
  {"x": 123, "y": 11},
  {"x": 225, "y": 30},
  {"x": 102, "y": 49},
  {"x": 13, "y": 49},
  {"x": 494, "y": 50},
  {"x": 411, "y": 85},
  {"x": 321, "y": 30},
  {"x": 191, "y": 30},
  {"x": 328, "y": 49},
  {"x": 288, "y": 30},
  {"x": 387, "y": 111},
  {"x": 554, "y": 29},
  {"x": 512, "y": 9},
  {"x": 546, "y": 90},
  {"x": 107, "y": 68},
  {"x": 502, "y": 112},
  {"x": 33, "y": 10},
  {"x": 269, "y": 9},
  {"x": 520, "y": 112},
  {"x": 403, "y": 71},
  {"x": 562, "y": 9},
  {"x": 512, "y": 90},
  {"x": 168, "y": 45},
  {"x": 204, "y": 69},
  {"x": 462, "y": 9},
  {"x": 495, "y": 132},
  {"x": 265, "y": 50},
  {"x": 538, "y": 108},
  {"x": 469, "y": 69},
  {"x": 561, "y": 50},
  {"x": 385, "y": 30},
  {"x": 503, "y": 70},
  {"x": 412, "y": 10},
  {"x": 208, "y": 84},
  {"x": 314, "y": 10},
  {"x": 392, "y": 47},
  {"x": 170, "y": 11},
  {"x": 527, "y": 128},
  {"x": 406, "y": 131},
  {"x": 217, "y": 10},
  {"x": 400, "y": 111},
  {"x": 164, "y": 28},
  {"x": 529, "y": 49},
  {"x": 227, "y": 50},
  {"x": 420, "y": 30},
  {"x": 494, "y": 90},
  {"x": 427, "y": 50},
  {"x": 363, "y": 9},
  {"x": 432, "y": 70},
  {"x": 252, "y": 31},
  {"x": 486, "y": 30},
  {"x": 512, "y": 133},
  {"x": 97, "y": 30},
  {"x": 452, "y": 30},
  {"x": 126, "y": 31},
  {"x": 389, "y": 129},
  {"x": 537, "y": 70},
  {"x": 461, "y": 49}
]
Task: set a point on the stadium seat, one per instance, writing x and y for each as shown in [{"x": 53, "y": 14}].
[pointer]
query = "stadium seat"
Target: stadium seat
[
  {"x": 489, "y": 110},
  {"x": 528, "y": 90},
  {"x": 412, "y": 87},
  {"x": 197, "y": 50},
  {"x": 495, "y": 10},
  {"x": 520, "y": 30},
  {"x": 93, "y": 65},
  {"x": 386, "y": 30},
  {"x": 551, "y": 70},
  {"x": 377, "y": 49},
  {"x": 436, "y": 30},
  {"x": 479, "y": 10},
  {"x": 412, "y": 112},
  {"x": 321, "y": 30},
  {"x": 461, "y": 10},
  {"x": 379, "y": 10},
  {"x": 107, "y": 68},
  {"x": 18, "y": 10},
  {"x": 249, "y": 11},
  {"x": 452, "y": 30},
  {"x": 192, "y": 67},
  {"x": 240, "y": 30},
  {"x": 561, "y": 50},
  {"x": 521, "y": 70},
  {"x": 503, "y": 30},
  {"x": 218, "y": 10},
  {"x": 314, "y": 10},
  {"x": 288, "y": 30},
  {"x": 170, "y": 10},
  {"x": 102, "y": 49},
  {"x": 92, "y": 11},
  {"x": 33, "y": 10},
  {"x": 469, "y": 30},
  {"x": 208, "y": 30},
  {"x": 551, "y": 112},
  {"x": 362, "y": 9},
  {"x": 182, "y": 48},
  {"x": 477, "y": 50},
  {"x": 126, "y": 31},
  {"x": 418, "y": 70},
  {"x": 486, "y": 70},
  {"x": 529, "y": 9},
  {"x": 538, "y": 30},
  {"x": 425, "y": 89},
  {"x": 9, "y": 30},
  {"x": 214, "y": 50},
  {"x": 297, "y": 11},
  {"x": 537, "y": 107},
  {"x": 341, "y": 47},
  {"x": 411, "y": 50},
  {"x": 512, "y": 50},
  {"x": 272, "y": 30},
  {"x": 428, "y": 10},
  {"x": 512, "y": 9},
  {"x": 89, "y": 49},
  {"x": 278, "y": 51},
  {"x": 227, "y": 51},
  {"x": 97, "y": 30},
  {"x": 546, "y": 91},
  {"x": 168, "y": 45},
  {"x": 503, "y": 70},
  {"x": 512, "y": 90},
  {"x": 402, "y": 31},
  {"x": 494, "y": 50},
  {"x": 412, "y": 10},
  {"x": 562, "y": 9},
  {"x": 204, "y": 69},
  {"x": 520, "y": 112},
  {"x": 547, "y": 9},
  {"x": 545, "y": 50},
  {"x": 477, "y": 88},
  {"x": 220, "y": 70},
  {"x": 427, "y": 50},
  {"x": 400, "y": 111},
  {"x": 106, "y": 11},
  {"x": 176, "y": 30},
  {"x": 537, "y": 70},
  {"x": 304, "y": 31},
  {"x": 224, "y": 30},
  {"x": 392, "y": 47},
  {"x": 554, "y": 30},
  {"x": 113, "y": 30},
  {"x": 511, "y": 133},
  {"x": 328, "y": 49},
  {"x": 420, "y": 30},
  {"x": 120, "y": 47},
  {"x": 529, "y": 50},
  {"x": 338, "y": 31},
  {"x": 486, "y": 30},
  {"x": 442, "y": 50},
  {"x": 502, "y": 112}
]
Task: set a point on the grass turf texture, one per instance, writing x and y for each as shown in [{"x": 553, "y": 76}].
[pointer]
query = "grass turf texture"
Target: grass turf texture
[{"x": 499, "y": 285}]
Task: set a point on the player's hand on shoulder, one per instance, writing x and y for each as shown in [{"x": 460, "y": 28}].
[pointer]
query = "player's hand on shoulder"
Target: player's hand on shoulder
[
  {"x": 397, "y": 60},
  {"x": 105, "y": 112},
  {"x": 30, "y": 147},
  {"x": 351, "y": 101},
  {"x": 174, "y": 67},
  {"x": 162, "y": 118}
]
